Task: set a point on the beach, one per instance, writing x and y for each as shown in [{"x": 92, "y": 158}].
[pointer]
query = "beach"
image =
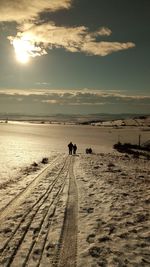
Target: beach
[{"x": 75, "y": 210}]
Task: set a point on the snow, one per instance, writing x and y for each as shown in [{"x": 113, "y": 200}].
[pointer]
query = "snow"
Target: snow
[
  {"x": 80, "y": 210},
  {"x": 114, "y": 207}
]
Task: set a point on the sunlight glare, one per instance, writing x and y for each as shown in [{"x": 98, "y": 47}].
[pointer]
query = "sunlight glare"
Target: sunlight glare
[{"x": 23, "y": 50}]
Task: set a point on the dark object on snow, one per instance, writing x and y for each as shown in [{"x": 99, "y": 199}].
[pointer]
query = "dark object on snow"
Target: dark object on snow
[
  {"x": 88, "y": 151},
  {"x": 146, "y": 145},
  {"x": 34, "y": 164},
  {"x": 70, "y": 146},
  {"x": 135, "y": 150},
  {"x": 44, "y": 160},
  {"x": 74, "y": 149}
]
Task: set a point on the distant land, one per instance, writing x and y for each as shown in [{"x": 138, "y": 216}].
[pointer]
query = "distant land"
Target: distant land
[{"x": 94, "y": 119}]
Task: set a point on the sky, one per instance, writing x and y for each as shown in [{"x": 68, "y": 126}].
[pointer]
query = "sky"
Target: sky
[{"x": 74, "y": 57}]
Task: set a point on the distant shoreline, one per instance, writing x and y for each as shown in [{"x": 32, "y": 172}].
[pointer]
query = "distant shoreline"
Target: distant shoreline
[{"x": 103, "y": 121}]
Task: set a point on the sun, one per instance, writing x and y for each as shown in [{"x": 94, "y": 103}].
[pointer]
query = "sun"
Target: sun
[
  {"x": 26, "y": 47},
  {"x": 23, "y": 50},
  {"x": 22, "y": 57}
]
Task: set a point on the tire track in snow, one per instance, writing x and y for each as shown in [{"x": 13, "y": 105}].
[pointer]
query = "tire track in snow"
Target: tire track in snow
[
  {"x": 67, "y": 253},
  {"x": 11, "y": 206},
  {"x": 20, "y": 232}
]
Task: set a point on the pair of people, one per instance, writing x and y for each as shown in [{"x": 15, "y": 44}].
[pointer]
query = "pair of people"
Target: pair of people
[{"x": 72, "y": 148}]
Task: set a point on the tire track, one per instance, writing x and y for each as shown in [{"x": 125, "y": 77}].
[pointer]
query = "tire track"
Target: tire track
[
  {"x": 39, "y": 201},
  {"x": 67, "y": 252},
  {"x": 42, "y": 237},
  {"x": 38, "y": 244},
  {"x": 24, "y": 226},
  {"x": 24, "y": 194}
]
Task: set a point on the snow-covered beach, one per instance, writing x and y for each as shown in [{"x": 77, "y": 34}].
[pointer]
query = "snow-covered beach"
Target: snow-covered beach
[{"x": 84, "y": 210}]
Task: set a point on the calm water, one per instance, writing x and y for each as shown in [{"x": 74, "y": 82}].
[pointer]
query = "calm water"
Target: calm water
[{"x": 22, "y": 143}]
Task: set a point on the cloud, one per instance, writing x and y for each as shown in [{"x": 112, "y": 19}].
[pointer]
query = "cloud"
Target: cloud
[
  {"x": 50, "y": 35},
  {"x": 36, "y": 37},
  {"x": 16, "y": 10},
  {"x": 103, "y": 31},
  {"x": 84, "y": 97},
  {"x": 105, "y": 48},
  {"x": 80, "y": 101},
  {"x": 74, "y": 39}
]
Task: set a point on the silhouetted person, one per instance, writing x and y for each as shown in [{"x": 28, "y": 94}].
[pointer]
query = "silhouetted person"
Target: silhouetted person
[
  {"x": 88, "y": 151},
  {"x": 74, "y": 149},
  {"x": 70, "y": 146}
]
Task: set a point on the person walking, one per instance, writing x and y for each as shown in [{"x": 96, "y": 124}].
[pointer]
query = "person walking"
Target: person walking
[
  {"x": 74, "y": 149},
  {"x": 70, "y": 146}
]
